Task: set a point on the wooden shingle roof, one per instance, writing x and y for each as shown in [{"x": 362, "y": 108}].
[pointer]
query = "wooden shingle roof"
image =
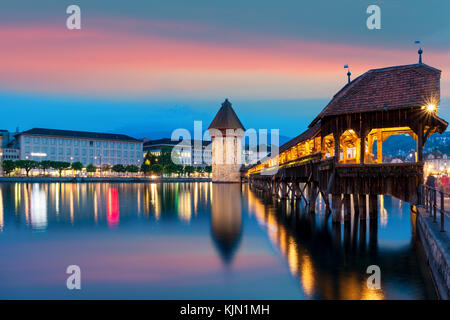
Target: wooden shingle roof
[
  {"x": 308, "y": 134},
  {"x": 226, "y": 118},
  {"x": 387, "y": 88}
]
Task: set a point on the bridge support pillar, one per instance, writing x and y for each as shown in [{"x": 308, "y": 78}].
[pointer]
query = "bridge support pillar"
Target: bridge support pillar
[
  {"x": 275, "y": 188},
  {"x": 337, "y": 206},
  {"x": 362, "y": 206},
  {"x": 347, "y": 208},
  {"x": 356, "y": 204},
  {"x": 312, "y": 196},
  {"x": 373, "y": 206},
  {"x": 283, "y": 187}
]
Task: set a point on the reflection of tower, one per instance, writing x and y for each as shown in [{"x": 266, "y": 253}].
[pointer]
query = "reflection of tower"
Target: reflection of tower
[
  {"x": 226, "y": 219},
  {"x": 226, "y": 131}
]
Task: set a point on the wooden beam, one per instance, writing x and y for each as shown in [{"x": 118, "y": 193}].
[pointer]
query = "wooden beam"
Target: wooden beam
[
  {"x": 373, "y": 206},
  {"x": 420, "y": 143},
  {"x": 362, "y": 206},
  {"x": 347, "y": 208},
  {"x": 337, "y": 207},
  {"x": 379, "y": 146}
]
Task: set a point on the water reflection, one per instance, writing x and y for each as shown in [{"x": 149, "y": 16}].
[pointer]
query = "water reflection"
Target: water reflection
[
  {"x": 327, "y": 266},
  {"x": 38, "y": 207},
  {"x": 41, "y": 206},
  {"x": 324, "y": 261},
  {"x": 113, "y": 208},
  {"x": 226, "y": 219}
]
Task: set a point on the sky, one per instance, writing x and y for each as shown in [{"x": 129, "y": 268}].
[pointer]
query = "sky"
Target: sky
[{"x": 145, "y": 68}]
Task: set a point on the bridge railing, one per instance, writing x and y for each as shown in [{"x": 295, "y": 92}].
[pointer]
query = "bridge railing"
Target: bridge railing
[{"x": 432, "y": 199}]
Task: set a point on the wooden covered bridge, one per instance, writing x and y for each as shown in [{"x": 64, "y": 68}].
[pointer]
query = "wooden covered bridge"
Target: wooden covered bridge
[{"x": 340, "y": 155}]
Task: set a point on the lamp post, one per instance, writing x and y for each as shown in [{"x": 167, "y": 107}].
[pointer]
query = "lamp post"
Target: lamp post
[{"x": 99, "y": 157}]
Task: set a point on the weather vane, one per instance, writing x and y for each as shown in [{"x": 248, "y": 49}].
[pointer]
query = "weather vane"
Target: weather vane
[
  {"x": 420, "y": 51},
  {"x": 348, "y": 73}
]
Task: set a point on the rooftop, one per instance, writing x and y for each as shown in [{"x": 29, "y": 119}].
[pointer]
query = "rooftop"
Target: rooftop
[
  {"x": 226, "y": 118},
  {"x": 167, "y": 142},
  {"x": 386, "y": 88},
  {"x": 78, "y": 134}
]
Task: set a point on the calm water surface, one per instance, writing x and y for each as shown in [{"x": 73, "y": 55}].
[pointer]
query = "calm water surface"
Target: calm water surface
[{"x": 197, "y": 241}]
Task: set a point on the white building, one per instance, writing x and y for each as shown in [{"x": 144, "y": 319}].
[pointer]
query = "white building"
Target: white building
[
  {"x": 73, "y": 146},
  {"x": 436, "y": 162},
  {"x": 7, "y": 148}
]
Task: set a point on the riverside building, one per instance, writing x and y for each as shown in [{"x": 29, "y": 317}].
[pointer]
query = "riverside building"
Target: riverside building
[{"x": 73, "y": 146}]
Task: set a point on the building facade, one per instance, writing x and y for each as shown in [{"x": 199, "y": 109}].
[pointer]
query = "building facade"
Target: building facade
[
  {"x": 79, "y": 146},
  {"x": 8, "y": 148},
  {"x": 437, "y": 162},
  {"x": 189, "y": 155}
]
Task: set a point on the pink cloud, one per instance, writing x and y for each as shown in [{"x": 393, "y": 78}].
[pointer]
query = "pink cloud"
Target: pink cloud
[{"x": 110, "y": 62}]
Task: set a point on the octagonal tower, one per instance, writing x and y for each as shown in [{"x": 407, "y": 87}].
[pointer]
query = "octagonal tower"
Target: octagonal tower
[{"x": 226, "y": 131}]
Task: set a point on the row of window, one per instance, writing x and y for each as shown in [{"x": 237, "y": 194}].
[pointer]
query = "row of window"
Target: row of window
[
  {"x": 87, "y": 161},
  {"x": 84, "y": 152},
  {"x": 83, "y": 143}
]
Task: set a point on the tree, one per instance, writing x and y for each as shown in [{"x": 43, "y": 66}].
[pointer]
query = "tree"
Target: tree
[
  {"x": 119, "y": 168},
  {"x": 45, "y": 165},
  {"x": 8, "y": 166},
  {"x": 150, "y": 158},
  {"x": 77, "y": 166},
  {"x": 199, "y": 169},
  {"x": 208, "y": 169},
  {"x": 91, "y": 168},
  {"x": 132, "y": 168},
  {"x": 60, "y": 166},
  {"x": 166, "y": 156},
  {"x": 157, "y": 168},
  {"x": 170, "y": 168},
  {"x": 189, "y": 170},
  {"x": 105, "y": 167},
  {"x": 146, "y": 168},
  {"x": 27, "y": 165}
]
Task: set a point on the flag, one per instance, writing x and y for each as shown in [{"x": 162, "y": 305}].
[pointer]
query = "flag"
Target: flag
[
  {"x": 345, "y": 66},
  {"x": 417, "y": 42}
]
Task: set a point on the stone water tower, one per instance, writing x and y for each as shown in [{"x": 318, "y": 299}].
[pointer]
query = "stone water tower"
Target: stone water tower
[{"x": 226, "y": 131}]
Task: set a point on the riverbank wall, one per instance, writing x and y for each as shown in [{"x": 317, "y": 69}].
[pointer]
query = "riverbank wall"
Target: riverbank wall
[
  {"x": 97, "y": 180},
  {"x": 437, "y": 249}
]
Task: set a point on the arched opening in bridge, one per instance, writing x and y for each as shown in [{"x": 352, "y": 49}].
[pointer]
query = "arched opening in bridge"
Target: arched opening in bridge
[
  {"x": 349, "y": 147},
  {"x": 375, "y": 139},
  {"x": 328, "y": 146}
]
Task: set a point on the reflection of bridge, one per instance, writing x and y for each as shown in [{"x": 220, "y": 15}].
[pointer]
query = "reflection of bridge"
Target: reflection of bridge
[
  {"x": 330, "y": 263},
  {"x": 337, "y": 155}
]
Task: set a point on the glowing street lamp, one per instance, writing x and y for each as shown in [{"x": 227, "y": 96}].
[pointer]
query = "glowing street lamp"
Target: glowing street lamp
[{"x": 430, "y": 107}]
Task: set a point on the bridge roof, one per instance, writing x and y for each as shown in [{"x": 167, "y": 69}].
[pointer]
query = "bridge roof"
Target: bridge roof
[
  {"x": 226, "y": 118},
  {"x": 384, "y": 89},
  {"x": 308, "y": 134}
]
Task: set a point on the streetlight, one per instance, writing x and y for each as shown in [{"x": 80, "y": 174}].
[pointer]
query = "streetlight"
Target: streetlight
[
  {"x": 99, "y": 157},
  {"x": 431, "y": 107}
]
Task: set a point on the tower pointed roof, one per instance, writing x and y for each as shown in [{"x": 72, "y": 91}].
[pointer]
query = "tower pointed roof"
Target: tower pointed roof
[{"x": 226, "y": 118}]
